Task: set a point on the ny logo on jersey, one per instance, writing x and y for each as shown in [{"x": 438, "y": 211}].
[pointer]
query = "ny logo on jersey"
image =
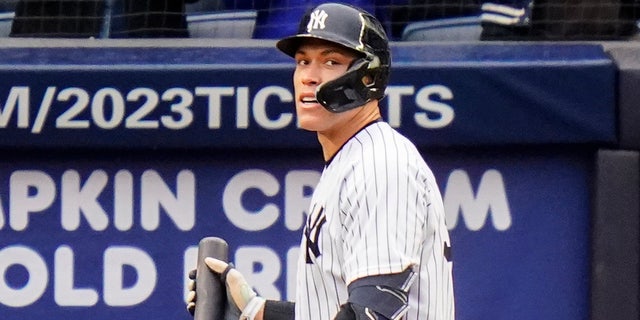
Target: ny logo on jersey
[
  {"x": 312, "y": 233},
  {"x": 316, "y": 20}
]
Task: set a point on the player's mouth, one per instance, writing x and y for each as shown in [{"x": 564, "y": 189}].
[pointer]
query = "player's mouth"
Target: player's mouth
[{"x": 308, "y": 100}]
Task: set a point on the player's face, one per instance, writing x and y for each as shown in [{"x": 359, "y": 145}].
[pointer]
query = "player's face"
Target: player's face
[{"x": 318, "y": 61}]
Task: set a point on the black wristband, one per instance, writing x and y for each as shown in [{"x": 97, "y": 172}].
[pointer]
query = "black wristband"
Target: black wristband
[{"x": 279, "y": 310}]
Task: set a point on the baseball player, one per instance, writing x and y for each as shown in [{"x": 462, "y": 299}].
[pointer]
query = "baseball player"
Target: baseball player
[{"x": 375, "y": 244}]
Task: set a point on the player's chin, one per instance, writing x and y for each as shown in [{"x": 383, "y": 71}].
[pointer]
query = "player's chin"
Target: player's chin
[
  {"x": 308, "y": 125},
  {"x": 310, "y": 122},
  {"x": 310, "y": 117}
]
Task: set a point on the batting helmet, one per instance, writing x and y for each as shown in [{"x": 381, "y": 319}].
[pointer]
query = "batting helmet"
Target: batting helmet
[{"x": 355, "y": 29}]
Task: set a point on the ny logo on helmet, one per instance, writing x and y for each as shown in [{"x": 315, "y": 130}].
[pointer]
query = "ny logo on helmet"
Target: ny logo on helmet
[{"x": 316, "y": 20}]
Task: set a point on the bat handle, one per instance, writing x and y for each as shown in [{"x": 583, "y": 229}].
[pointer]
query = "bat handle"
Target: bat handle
[{"x": 210, "y": 291}]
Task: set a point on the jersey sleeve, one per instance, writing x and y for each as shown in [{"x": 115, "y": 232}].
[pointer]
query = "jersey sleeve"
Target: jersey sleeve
[{"x": 384, "y": 204}]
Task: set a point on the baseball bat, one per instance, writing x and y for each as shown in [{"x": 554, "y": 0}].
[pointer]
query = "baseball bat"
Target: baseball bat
[{"x": 210, "y": 291}]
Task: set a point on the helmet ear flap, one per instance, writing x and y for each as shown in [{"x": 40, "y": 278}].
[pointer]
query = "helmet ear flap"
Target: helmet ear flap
[{"x": 353, "y": 89}]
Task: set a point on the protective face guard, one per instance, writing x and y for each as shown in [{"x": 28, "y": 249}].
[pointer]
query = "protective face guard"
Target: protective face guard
[{"x": 351, "y": 90}]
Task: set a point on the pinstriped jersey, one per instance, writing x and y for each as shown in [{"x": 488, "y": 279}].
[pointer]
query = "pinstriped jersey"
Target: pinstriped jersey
[{"x": 376, "y": 210}]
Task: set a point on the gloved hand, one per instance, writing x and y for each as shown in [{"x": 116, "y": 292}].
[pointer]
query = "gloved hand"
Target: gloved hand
[
  {"x": 244, "y": 303},
  {"x": 191, "y": 297}
]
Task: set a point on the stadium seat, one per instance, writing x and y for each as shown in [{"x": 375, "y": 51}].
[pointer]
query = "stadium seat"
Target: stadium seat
[
  {"x": 6, "y": 18},
  {"x": 222, "y": 24},
  {"x": 445, "y": 29}
]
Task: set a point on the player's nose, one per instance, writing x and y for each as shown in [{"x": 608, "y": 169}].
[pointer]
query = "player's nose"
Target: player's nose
[{"x": 310, "y": 75}]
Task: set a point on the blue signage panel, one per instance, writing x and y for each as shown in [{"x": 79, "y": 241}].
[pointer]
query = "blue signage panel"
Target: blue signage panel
[
  {"x": 439, "y": 95},
  {"x": 112, "y": 235}
]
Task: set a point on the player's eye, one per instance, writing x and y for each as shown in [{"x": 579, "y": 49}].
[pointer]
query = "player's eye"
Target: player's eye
[
  {"x": 336, "y": 59},
  {"x": 332, "y": 63}
]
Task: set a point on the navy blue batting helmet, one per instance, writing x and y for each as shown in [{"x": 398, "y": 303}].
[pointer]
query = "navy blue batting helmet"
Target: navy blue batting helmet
[{"x": 355, "y": 29}]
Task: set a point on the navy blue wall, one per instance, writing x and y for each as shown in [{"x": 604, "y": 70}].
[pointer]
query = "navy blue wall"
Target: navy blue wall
[{"x": 116, "y": 160}]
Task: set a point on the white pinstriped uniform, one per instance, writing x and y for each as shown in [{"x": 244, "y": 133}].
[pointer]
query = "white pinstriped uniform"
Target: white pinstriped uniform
[{"x": 376, "y": 210}]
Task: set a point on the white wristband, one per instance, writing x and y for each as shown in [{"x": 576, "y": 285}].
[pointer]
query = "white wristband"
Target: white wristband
[{"x": 252, "y": 308}]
